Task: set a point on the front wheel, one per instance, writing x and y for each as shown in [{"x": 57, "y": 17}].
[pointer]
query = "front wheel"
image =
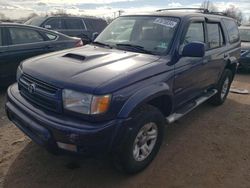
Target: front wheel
[
  {"x": 143, "y": 142},
  {"x": 223, "y": 88}
]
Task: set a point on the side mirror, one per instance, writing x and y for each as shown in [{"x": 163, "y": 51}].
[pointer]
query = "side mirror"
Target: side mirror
[
  {"x": 47, "y": 26},
  {"x": 94, "y": 36},
  {"x": 194, "y": 49}
]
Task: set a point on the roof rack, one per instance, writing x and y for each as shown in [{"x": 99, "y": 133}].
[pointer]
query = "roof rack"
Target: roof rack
[{"x": 199, "y": 9}]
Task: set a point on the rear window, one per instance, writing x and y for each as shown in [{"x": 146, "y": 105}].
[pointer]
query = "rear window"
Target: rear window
[
  {"x": 37, "y": 21},
  {"x": 22, "y": 36},
  {"x": 74, "y": 23},
  {"x": 232, "y": 29}
]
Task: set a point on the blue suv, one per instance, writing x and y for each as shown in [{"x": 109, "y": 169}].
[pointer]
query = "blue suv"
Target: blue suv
[{"x": 116, "y": 95}]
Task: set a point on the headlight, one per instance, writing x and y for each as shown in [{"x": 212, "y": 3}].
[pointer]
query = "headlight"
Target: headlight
[
  {"x": 85, "y": 103},
  {"x": 19, "y": 73}
]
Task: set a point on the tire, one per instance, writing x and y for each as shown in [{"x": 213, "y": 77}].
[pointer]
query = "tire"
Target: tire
[
  {"x": 223, "y": 87},
  {"x": 136, "y": 153}
]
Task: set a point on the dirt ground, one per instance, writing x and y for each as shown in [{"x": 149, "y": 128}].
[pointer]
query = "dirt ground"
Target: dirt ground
[{"x": 207, "y": 148}]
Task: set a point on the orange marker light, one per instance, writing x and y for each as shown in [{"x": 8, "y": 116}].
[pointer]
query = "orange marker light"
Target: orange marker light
[{"x": 100, "y": 104}]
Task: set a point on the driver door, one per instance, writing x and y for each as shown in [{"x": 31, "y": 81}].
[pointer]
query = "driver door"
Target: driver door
[{"x": 188, "y": 83}]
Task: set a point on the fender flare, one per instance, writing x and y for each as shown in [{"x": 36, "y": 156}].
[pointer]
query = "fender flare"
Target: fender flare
[{"x": 142, "y": 96}]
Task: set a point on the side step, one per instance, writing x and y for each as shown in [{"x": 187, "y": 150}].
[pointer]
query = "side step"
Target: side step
[{"x": 189, "y": 107}]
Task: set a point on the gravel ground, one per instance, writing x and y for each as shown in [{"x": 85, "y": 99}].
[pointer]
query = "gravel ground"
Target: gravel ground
[{"x": 207, "y": 148}]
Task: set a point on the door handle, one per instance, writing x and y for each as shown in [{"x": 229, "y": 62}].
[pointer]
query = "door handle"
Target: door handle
[
  {"x": 226, "y": 56},
  {"x": 49, "y": 46}
]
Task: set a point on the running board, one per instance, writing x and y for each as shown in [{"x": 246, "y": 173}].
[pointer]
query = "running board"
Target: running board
[{"x": 189, "y": 107}]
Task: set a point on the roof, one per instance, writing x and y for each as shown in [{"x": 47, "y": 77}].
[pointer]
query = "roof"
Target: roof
[
  {"x": 65, "y": 16},
  {"x": 181, "y": 13}
]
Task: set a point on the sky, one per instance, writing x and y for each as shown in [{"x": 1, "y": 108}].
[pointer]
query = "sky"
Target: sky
[{"x": 16, "y": 9}]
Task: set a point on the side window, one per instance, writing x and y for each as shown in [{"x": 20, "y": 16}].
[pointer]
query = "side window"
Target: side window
[
  {"x": 215, "y": 36},
  {"x": 55, "y": 23},
  {"x": 1, "y": 42},
  {"x": 195, "y": 33},
  {"x": 51, "y": 36},
  {"x": 232, "y": 30},
  {"x": 74, "y": 23},
  {"x": 22, "y": 36}
]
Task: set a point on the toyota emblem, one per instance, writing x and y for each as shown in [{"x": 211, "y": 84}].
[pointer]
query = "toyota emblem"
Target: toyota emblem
[{"x": 32, "y": 88}]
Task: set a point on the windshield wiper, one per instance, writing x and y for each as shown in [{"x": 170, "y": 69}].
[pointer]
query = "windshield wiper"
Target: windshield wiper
[
  {"x": 135, "y": 47},
  {"x": 101, "y": 44}
]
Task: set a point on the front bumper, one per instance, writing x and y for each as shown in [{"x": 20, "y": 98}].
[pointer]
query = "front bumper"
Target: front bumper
[{"x": 47, "y": 128}]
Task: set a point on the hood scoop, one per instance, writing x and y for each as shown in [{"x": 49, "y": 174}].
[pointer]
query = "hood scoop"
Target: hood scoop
[{"x": 75, "y": 56}]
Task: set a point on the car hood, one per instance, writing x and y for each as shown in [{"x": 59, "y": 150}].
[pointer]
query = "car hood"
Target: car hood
[{"x": 86, "y": 68}]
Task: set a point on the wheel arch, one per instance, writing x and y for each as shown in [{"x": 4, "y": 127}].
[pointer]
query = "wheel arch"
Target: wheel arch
[{"x": 157, "y": 95}]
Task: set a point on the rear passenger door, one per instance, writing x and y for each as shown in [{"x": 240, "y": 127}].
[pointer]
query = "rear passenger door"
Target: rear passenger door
[
  {"x": 215, "y": 55},
  {"x": 189, "y": 71},
  {"x": 23, "y": 43}
]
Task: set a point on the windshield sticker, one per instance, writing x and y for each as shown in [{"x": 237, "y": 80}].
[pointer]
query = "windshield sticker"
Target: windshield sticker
[{"x": 165, "y": 22}]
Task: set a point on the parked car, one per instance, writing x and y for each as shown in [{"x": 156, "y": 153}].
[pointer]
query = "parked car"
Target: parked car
[
  {"x": 244, "y": 62},
  {"x": 19, "y": 42},
  {"x": 117, "y": 94},
  {"x": 82, "y": 27}
]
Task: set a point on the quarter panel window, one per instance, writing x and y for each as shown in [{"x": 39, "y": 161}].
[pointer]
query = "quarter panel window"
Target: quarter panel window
[
  {"x": 232, "y": 29},
  {"x": 22, "y": 36},
  {"x": 51, "y": 36},
  {"x": 195, "y": 33}
]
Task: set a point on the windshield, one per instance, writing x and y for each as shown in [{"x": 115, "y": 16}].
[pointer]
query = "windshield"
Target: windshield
[
  {"x": 146, "y": 34},
  {"x": 245, "y": 35}
]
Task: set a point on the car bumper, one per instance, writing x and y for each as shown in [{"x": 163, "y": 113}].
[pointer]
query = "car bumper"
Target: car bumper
[{"x": 57, "y": 134}]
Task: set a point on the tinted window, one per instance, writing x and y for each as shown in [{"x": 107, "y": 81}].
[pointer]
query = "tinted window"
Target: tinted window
[
  {"x": 195, "y": 33},
  {"x": 1, "y": 42},
  {"x": 51, "y": 36},
  {"x": 96, "y": 25},
  {"x": 74, "y": 23},
  {"x": 55, "y": 23},
  {"x": 215, "y": 36},
  {"x": 21, "y": 36},
  {"x": 232, "y": 29}
]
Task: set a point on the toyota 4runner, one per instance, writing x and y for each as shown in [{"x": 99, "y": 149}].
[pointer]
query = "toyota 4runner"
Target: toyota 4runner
[{"x": 117, "y": 94}]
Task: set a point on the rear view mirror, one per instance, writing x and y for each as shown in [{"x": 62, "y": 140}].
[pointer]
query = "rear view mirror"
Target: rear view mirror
[
  {"x": 194, "y": 49},
  {"x": 94, "y": 36},
  {"x": 47, "y": 26}
]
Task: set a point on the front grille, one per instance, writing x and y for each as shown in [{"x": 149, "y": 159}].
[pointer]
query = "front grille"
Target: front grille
[{"x": 40, "y": 93}]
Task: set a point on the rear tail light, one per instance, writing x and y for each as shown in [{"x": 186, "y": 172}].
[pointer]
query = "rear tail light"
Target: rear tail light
[{"x": 79, "y": 43}]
